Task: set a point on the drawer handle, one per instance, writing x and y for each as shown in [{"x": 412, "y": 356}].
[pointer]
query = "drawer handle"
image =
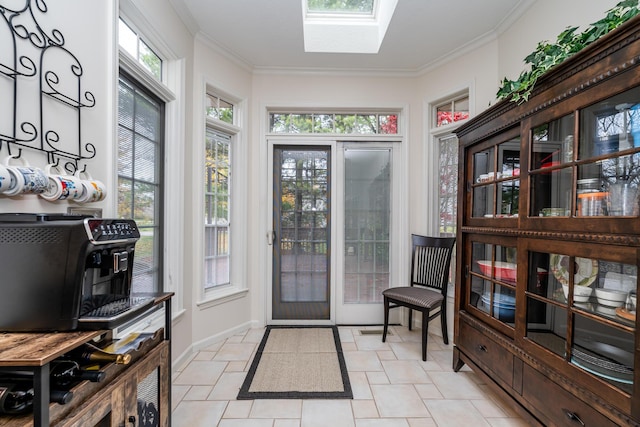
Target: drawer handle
[
  {"x": 482, "y": 348},
  {"x": 572, "y": 416}
]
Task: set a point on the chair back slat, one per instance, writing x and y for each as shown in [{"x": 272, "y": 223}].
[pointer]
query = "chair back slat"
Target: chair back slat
[{"x": 430, "y": 261}]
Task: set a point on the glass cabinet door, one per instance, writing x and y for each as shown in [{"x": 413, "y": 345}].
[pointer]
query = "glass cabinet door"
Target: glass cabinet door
[
  {"x": 493, "y": 281},
  {"x": 609, "y": 145},
  {"x": 496, "y": 180},
  {"x": 596, "y": 174},
  {"x": 583, "y": 310}
]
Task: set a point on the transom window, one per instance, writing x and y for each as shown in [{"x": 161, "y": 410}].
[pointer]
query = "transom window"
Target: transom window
[
  {"x": 452, "y": 111},
  {"x": 218, "y": 108},
  {"x": 361, "y": 123},
  {"x": 131, "y": 42}
]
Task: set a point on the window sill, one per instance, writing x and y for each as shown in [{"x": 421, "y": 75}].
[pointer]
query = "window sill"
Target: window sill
[{"x": 221, "y": 296}]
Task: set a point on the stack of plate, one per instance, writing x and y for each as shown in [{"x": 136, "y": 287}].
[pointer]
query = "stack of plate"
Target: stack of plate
[{"x": 504, "y": 305}]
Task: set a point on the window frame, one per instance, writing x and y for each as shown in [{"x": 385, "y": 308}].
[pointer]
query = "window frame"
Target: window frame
[
  {"x": 237, "y": 286},
  {"x": 169, "y": 90}
]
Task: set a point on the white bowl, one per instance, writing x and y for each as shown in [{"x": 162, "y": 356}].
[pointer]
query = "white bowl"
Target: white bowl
[
  {"x": 580, "y": 293},
  {"x": 611, "y": 297}
]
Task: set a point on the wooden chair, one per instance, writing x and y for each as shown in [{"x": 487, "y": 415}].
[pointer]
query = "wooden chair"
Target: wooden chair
[{"x": 427, "y": 290}]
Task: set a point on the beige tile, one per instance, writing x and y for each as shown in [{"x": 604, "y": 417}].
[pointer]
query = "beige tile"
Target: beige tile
[
  {"x": 362, "y": 361},
  {"x": 456, "y": 386},
  {"x": 386, "y": 422},
  {"x": 235, "y": 338},
  {"x": 200, "y": 372},
  {"x": 197, "y": 413},
  {"x": 421, "y": 422},
  {"x": 286, "y": 423},
  {"x": 198, "y": 392},
  {"x": 360, "y": 385},
  {"x": 236, "y": 366},
  {"x": 428, "y": 391},
  {"x": 254, "y": 335},
  {"x": 177, "y": 394},
  {"x": 488, "y": 408},
  {"x": 235, "y": 351},
  {"x": 370, "y": 342},
  {"x": 323, "y": 413},
  {"x": 284, "y": 408},
  {"x": 214, "y": 347},
  {"x": 398, "y": 400},
  {"x": 238, "y": 409},
  {"x": 455, "y": 413},
  {"x": 364, "y": 409},
  {"x": 349, "y": 346},
  {"x": 245, "y": 423},
  {"x": 204, "y": 355},
  {"x": 227, "y": 386},
  {"x": 407, "y": 350},
  {"x": 346, "y": 335},
  {"x": 377, "y": 378},
  {"x": 386, "y": 355},
  {"x": 405, "y": 372}
]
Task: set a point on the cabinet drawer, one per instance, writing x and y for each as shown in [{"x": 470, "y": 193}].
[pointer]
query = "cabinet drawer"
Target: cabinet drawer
[
  {"x": 558, "y": 406},
  {"x": 486, "y": 353}
]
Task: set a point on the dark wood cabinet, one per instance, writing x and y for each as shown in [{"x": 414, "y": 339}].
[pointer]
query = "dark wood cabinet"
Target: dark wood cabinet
[
  {"x": 549, "y": 241},
  {"x": 138, "y": 393}
]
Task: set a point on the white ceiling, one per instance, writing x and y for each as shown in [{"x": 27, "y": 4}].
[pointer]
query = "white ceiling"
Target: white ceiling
[{"x": 267, "y": 34}]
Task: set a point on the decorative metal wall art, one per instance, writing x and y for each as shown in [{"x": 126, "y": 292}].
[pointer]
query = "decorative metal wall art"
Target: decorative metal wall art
[{"x": 40, "y": 85}]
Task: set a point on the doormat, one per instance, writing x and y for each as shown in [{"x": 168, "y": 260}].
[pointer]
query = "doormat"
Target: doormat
[{"x": 298, "y": 362}]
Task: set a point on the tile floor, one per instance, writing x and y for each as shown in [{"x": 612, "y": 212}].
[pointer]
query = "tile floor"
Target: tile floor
[{"x": 392, "y": 387}]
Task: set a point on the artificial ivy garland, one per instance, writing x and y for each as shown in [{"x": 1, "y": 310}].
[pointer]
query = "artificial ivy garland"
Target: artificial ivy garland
[{"x": 547, "y": 55}]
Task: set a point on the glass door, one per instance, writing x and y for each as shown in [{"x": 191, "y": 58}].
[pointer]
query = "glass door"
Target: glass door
[{"x": 301, "y": 224}]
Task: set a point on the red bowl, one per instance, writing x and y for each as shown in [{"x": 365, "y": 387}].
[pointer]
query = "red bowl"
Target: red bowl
[{"x": 501, "y": 270}]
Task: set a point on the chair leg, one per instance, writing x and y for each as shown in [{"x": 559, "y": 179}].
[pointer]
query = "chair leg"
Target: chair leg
[
  {"x": 443, "y": 322},
  {"x": 410, "y": 316},
  {"x": 386, "y": 319},
  {"x": 425, "y": 333}
]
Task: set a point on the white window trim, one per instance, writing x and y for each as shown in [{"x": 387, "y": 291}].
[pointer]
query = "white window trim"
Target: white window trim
[
  {"x": 174, "y": 73},
  {"x": 237, "y": 288}
]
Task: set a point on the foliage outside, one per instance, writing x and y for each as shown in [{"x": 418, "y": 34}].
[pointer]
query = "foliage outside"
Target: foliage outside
[{"x": 547, "y": 55}]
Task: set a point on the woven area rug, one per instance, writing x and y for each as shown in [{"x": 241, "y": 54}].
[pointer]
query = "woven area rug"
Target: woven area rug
[{"x": 298, "y": 362}]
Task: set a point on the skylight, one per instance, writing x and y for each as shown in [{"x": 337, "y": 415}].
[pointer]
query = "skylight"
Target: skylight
[
  {"x": 340, "y": 6},
  {"x": 346, "y": 26}
]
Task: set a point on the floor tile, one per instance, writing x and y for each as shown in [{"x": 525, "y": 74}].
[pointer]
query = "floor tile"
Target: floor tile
[
  {"x": 398, "y": 400},
  {"x": 197, "y": 413},
  {"x": 392, "y": 387},
  {"x": 455, "y": 413},
  {"x": 323, "y": 413},
  {"x": 284, "y": 408}
]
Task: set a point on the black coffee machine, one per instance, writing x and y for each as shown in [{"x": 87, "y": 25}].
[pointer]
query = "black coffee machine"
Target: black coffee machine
[{"x": 62, "y": 272}]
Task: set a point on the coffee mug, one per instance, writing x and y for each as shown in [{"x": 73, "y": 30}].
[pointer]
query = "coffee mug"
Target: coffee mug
[
  {"x": 5, "y": 179},
  {"x": 25, "y": 179},
  {"x": 93, "y": 190},
  {"x": 61, "y": 187}
]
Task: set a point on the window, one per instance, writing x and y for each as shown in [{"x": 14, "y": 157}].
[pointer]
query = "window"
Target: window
[
  {"x": 452, "y": 111},
  {"x": 217, "y": 209},
  {"x": 360, "y": 123},
  {"x": 140, "y": 183},
  {"x": 131, "y": 42},
  {"x": 448, "y": 188},
  {"x": 219, "y": 109},
  {"x": 342, "y": 6}
]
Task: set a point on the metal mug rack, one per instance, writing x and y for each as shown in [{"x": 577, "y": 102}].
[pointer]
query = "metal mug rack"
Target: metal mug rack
[{"x": 40, "y": 54}]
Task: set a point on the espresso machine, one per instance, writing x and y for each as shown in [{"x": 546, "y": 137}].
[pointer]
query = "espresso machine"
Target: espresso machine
[{"x": 62, "y": 272}]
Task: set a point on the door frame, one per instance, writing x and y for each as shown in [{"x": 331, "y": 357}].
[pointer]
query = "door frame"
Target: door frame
[
  {"x": 399, "y": 234},
  {"x": 299, "y": 141}
]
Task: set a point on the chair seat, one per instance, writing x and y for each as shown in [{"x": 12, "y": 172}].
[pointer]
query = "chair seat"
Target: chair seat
[{"x": 420, "y": 297}]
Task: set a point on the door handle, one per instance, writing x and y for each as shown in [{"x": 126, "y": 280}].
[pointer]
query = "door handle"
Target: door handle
[{"x": 271, "y": 236}]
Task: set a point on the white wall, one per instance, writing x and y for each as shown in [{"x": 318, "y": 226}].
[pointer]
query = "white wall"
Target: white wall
[
  {"x": 75, "y": 20},
  {"x": 544, "y": 20}
]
